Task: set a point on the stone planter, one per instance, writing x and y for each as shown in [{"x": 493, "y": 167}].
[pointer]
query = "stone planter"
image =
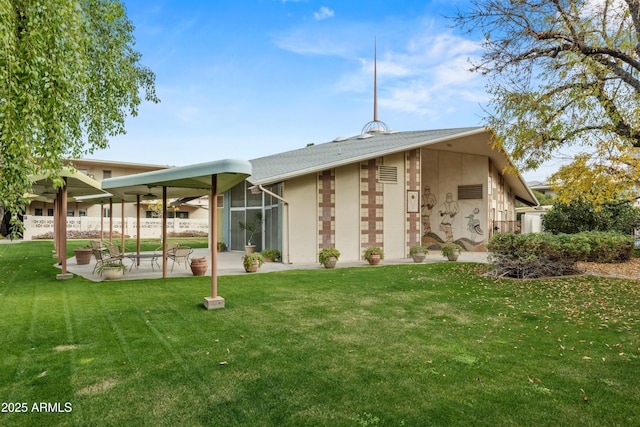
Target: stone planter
[
  {"x": 331, "y": 263},
  {"x": 453, "y": 256},
  {"x": 112, "y": 273},
  {"x": 249, "y": 249},
  {"x": 253, "y": 268},
  {"x": 83, "y": 255},
  {"x": 418, "y": 257},
  {"x": 199, "y": 266},
  {"x": 374, "y": 259}
]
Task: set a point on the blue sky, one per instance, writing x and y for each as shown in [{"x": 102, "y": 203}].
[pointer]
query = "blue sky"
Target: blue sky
[{"x": 248, "y": 78}]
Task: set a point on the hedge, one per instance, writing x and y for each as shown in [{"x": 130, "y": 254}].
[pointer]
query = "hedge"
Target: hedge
[{"x": 544, "y": 255}]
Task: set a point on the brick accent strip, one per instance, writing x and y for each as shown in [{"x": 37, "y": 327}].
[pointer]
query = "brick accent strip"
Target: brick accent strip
[
  {"x": 326, "y": 209},
  {"x": 371, "y": 205},
  {"x": 412, "y": 168}
]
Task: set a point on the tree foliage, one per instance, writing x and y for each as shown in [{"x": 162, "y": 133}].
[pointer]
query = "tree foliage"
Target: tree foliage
[
  {"x": 581, "y": 215},
  {"x": 69, "y": 77},
  {"x": 562, "y": 73}
]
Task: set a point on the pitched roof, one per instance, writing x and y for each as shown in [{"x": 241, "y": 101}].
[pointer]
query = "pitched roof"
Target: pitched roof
[{"x": 343, "y": 151}]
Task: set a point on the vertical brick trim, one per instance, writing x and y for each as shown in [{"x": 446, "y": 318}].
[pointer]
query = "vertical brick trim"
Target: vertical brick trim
[
  {"x": 412, "y": 168},
  {"x": 326, "y": 209},
  {"x": 371, "y": 205}
]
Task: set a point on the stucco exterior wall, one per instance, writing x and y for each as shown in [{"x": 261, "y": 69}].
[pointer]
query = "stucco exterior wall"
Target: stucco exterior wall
[
  {"x": 303, "y": 217},
  {"x": 454, "y": 217},
  {"x": 394, "y": 210},
  {"x": 347, "y": 212}
]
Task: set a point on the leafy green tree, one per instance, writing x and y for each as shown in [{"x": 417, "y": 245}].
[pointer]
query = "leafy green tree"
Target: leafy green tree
[
  {"x": 580, "y": 215},
  {"x": 563, "y": 73},
  {"x": 69, "y": 76}
]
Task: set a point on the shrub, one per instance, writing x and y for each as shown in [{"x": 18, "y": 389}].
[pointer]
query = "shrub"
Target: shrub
[
  {"x": 373, "y": 250},
  {"x": 273, "y": 254},
  {"x": 544, "y": 254},
  {"x": 418, "y": 249},
  {"x": 326, "y": 253}
]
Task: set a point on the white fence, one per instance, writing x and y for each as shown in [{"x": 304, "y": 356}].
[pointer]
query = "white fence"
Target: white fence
[{"x": 35, "y": 226}]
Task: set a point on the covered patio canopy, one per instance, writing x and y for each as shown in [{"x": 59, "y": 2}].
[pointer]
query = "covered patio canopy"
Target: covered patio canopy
[
  {"x": 69, "y": 183},
  {"x": 211, "y": 178}
]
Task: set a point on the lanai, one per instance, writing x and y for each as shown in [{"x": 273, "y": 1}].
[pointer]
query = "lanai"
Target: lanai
[{"x": 211, "y": 178}]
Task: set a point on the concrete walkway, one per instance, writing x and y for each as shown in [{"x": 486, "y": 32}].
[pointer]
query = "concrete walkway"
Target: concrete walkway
[{"x": 230, "y": 263}]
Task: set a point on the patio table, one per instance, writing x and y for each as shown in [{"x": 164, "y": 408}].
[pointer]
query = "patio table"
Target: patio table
[{"x": 136, "y": 257}]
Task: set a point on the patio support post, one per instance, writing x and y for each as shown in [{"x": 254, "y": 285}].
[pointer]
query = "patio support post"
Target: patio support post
[
  {"x": 214, "y": 301},
  {"x": 164, "y": 232},
  {"x": 56, "y": 226},
  {"x": 62, "y": 229},
  {"x": 122, "y": 225},
  {"x": 138, "y": 227},
  {"x": 110, "y": 220},
  {"x": 101, "y": 222}
]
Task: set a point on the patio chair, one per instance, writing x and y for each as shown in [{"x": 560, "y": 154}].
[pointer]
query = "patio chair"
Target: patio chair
[
  {"x": 180, "y": 255},
  {"x": 114, "y": 253},
  {"x": 97, "y": 244},
  {"x": 102, "y": 257}
]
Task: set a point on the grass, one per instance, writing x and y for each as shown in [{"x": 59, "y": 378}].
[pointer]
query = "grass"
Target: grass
[{"x": 414, "y": 345}]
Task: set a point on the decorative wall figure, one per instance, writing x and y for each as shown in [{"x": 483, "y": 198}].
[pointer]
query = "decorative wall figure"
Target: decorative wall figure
[
  {"x": 473, "y": 225},
  {"x": 448, "y": 212},
  {"x": 428, "y": 202}
]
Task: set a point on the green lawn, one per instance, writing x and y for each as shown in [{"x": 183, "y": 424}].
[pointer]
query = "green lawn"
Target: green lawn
[{"x": 413, "y": 345}]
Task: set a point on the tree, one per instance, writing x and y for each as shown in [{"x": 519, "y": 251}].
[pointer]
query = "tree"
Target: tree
[
  {"x": 562, "y": 73},
  {"x": 69, "y": 77},
  {"x": 580, "y": 215}
]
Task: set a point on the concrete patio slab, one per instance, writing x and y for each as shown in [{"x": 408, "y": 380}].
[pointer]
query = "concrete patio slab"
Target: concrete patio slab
[{"x": 230, "y": 263}]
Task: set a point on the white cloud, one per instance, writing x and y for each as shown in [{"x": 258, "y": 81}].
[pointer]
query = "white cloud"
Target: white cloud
[
  {"x": 423, "y": 72},
  {"x": 323, "y": 13}
]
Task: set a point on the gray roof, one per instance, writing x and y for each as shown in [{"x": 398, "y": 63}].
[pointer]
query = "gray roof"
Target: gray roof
[{"x": 342, "y": 151}]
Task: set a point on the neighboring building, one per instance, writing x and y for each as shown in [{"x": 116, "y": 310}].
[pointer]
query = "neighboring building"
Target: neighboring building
[
  {"x": 83, "y": 216},
  {"x": 388, "y": 189},
  {"x": 543, "y": 187}
]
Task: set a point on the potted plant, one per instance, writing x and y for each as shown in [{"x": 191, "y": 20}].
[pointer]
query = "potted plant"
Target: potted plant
[
  {"x": 328, "y": 257},
  {"x": 252, "y": 262},
  {"x": 83, "y": 255},
  {"x": 111, "y": 270},
  {"x": 251, "y": 228},
  {"x": 271, "y": 255},
  {"x": 221, "y": 246},
  {"x": 418, "y": 253},
  {"x": 451, "y": 251},
  {"x": 374, "y": 255},
  {"x": 199, "y": 266}
]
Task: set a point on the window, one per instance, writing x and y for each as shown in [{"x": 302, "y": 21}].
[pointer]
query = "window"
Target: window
[
  {"x": 82, "y": 212},
  {"x": 38, "y": 212},
  {"x": 71, "y": 212},
  {"x": 107, "y": 213},
  {"x": 106, "y": 174},
  {"x": 49, "y": 212},
  {"x": 151, "y": 214}
]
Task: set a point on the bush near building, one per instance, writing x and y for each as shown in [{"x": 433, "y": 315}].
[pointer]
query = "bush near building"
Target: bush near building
[{"x": 546, "y": 255}]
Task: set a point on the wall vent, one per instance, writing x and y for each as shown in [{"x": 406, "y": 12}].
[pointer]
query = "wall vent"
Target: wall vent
[
  {"x": 388, "y": 174},
  {"x": 470, "y": 192}
]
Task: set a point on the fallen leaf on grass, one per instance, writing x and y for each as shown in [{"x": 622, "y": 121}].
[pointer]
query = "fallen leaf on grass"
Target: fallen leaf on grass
[{"x": 223, "y": 363}]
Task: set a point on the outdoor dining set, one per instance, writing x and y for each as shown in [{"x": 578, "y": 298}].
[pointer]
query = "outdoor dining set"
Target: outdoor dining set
[{"x": 106, "y": 253}]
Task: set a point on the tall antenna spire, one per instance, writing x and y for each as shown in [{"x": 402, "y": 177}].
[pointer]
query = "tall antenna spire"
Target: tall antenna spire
[
  {"x": 375, "y": 80},
  {"x": 375, "y": 125}
]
